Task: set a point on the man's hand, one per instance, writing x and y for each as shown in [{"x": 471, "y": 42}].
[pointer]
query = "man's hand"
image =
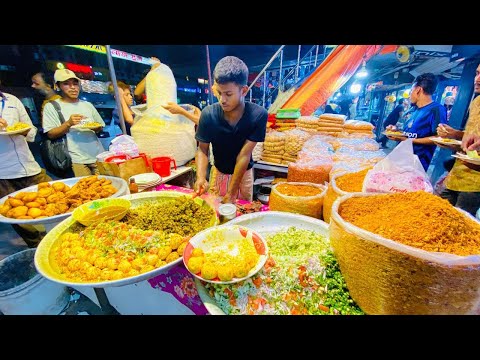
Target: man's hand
[
  {"x": 174, "y": 108},
  {"x": 75, "y": 119},
  {"x": 391, "y": 128},
  {"x": 228, "y": 198},
  {"x": 397, "y": 138},
  {"x": 156, "y": 63},
  {"x": 25, "y": 133},
  {"x": 446, "y": 131},
  {"x": 201, "y": 186},
  {"x": 3, "y": 124},
  {"x": 469, "y": 142}
]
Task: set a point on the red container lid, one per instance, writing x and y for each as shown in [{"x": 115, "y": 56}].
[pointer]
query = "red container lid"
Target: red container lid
[{"x": 118, "y": 159}]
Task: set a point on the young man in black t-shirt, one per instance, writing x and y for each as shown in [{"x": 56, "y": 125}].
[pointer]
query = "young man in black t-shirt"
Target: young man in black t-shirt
[{"x": 233, "y": 127}]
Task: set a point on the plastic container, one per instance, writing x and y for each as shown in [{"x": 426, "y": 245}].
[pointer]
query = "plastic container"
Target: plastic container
[
  {"x": 117, "y": 159},
  {"x": 161, "y": 165},
  {"x": 23, "y": 291},
  {"x": 227, "y": 212}
]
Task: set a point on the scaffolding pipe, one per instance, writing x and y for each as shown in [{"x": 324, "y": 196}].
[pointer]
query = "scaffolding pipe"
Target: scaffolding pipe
[{"x": 115, "y": 88}]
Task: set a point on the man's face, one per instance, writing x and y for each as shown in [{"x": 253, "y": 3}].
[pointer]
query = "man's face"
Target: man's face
[
  {"x": 38, "y": 83},
  {"x": 71, "y": 88},
  {"x": 229, "y": 95},
  {"x": 476, "y": 84},
  {"x": 414, "y": 94},
  {"x": 127, "y": 95}
]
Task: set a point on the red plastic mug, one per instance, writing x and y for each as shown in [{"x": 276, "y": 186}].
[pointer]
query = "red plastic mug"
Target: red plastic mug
[{"x": 161, "y": 165}]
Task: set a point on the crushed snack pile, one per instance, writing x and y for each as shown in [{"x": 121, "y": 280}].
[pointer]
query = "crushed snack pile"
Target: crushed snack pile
[
  {"x": 417, "y": 219},
  {"x": 352, "y": 182}
]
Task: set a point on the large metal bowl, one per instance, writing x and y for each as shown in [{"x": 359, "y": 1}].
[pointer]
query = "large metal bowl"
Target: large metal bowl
[
  {"x": 45, "y": 268},
  {"x": 119, "y": 183},
  {"x": 265, "y": 223}
]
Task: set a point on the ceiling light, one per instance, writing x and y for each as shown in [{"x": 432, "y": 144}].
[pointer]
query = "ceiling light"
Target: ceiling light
[
  {"x": 363, "y": 71},
  {"x": 355, "y": 88}
]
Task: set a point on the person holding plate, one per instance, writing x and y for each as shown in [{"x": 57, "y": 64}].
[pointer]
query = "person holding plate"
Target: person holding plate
[
  {"x": 422, "y": 124},
  {"x": 18, "y": 168},
  {"x": 462, "y": 185},
  {"x": 83, "y": 144}
]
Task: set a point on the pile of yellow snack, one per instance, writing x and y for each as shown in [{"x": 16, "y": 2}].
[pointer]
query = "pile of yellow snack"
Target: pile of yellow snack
[
  {"x": 56, "y": 198},
  {"x": 222, "y": 264},
  {"x": 92, "y": 124},
  {"x": 17, "y": 126}
]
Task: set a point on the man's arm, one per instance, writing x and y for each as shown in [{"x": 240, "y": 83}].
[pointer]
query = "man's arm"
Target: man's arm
[
  {"x": 140, "y": 88},
  {"x": 201, "y": 159},
  {"x": 241, "y": 165},
  {"x": 177, "y": 109}
]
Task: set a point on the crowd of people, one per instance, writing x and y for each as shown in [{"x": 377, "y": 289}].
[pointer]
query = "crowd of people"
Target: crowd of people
[{"x": 230, "y": 128}]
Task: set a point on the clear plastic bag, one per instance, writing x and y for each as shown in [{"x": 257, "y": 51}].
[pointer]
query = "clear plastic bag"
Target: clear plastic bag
[
  {"x": 314, "y": 171},
  {"x": 305, "y": 205},
  {"x": 400, "y": 171},
  {"x": 124, "y": 145}
]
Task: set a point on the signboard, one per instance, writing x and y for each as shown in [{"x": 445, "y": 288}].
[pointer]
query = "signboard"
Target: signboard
[{"x": 115, "y": 53}]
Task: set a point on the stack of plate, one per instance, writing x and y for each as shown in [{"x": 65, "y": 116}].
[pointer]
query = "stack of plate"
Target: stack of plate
[{"x": 146, "y": 180}]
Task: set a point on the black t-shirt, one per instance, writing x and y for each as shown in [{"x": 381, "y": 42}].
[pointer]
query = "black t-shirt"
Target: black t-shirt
[{"x": 227, "y": 141}]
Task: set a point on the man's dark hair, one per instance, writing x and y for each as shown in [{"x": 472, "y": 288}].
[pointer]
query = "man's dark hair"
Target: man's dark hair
[
  {"x": 428, "y": 82},
  {"x": 231, "y": 69},
  {"x": 400, "y": 101}
]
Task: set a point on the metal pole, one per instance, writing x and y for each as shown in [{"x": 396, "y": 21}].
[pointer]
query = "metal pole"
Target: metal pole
[
  {"x": 298, "y": 62},
  {"x": 281, "y": 71},
  {"x": 264, "y": 88},
  {"x": 210, "y": 83},
  {"x": 115, "y": 88},
  {"x": 250, "y": 95},
  {"x": 266, "y": 66},
  {"x": 316, "y": 55}
]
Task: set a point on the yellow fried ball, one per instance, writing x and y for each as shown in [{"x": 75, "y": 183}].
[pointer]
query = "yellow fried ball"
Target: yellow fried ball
[
  {"x": 194, "y": 264},
  {"x": 197, "y": 252},
  {"x": 225, "y": 273},
  {"x": 172, "y": 257},
  {"x": 209, "y": 271}
]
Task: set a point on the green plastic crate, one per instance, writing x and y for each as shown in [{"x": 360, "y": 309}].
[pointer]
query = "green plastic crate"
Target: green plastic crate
[{"x": 288, "y": 114}]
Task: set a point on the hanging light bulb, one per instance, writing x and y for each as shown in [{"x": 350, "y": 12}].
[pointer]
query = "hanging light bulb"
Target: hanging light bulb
[{"x": 363, "y": 71}]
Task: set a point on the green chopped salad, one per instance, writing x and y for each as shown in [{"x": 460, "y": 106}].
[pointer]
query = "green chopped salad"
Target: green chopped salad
[{"x": 301, "y": 276}]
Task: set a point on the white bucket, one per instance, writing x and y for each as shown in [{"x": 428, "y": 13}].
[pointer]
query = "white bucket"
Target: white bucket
[{"x": 23, "y": 291}]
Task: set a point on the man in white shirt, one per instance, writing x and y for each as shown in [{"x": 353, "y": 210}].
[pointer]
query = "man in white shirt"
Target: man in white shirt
[
  {"x": 83, "y": 144},
  {"x": 18, "y": 168}
]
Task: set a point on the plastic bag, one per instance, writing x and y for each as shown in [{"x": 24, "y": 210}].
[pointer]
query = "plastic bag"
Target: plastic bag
[
  {"x": 305, "y": 205},
  {"x": 400, "y": 171},
  {"x": 161, "y": 88},
  {"x": 386, "y": 277},
  {"x": 314, "y": 171},
  {"x": 124, "y": 144}
]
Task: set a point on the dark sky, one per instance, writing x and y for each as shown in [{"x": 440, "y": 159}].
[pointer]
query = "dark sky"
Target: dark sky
[{"x": 192, "y": 59}]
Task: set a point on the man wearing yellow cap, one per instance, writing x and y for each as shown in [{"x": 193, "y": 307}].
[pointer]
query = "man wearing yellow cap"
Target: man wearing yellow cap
[{"x": 83, "y": 144}]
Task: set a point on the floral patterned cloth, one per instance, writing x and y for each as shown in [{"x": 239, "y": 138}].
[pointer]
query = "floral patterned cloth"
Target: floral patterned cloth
[{"x": 178, "y": 281}]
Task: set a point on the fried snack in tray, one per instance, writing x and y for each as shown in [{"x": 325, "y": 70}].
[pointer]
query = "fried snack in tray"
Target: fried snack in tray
[
  {"x": 150, "y": 236},
  {"x": 113, "y": 250},
  {"x": 57, "y": 198}
]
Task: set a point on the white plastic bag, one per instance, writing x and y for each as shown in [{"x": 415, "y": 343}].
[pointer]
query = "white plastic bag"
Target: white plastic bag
[
  {"x": 124, "y": 144},
  {"x": 399, "y": 171},
  {"x": 161, "y": 88}
]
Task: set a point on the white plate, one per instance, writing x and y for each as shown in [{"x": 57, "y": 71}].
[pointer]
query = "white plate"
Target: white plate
[
  {"x": 447, "y": 142},
  {"x": 393, "y": 134},
  {"x": 266, "y": 223},
  {"x": 146, "y": 178},
  {"x": 229, "y": 234},
  {"x": 465, "y": 158},
  {"x": 15, "y": 131}
]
